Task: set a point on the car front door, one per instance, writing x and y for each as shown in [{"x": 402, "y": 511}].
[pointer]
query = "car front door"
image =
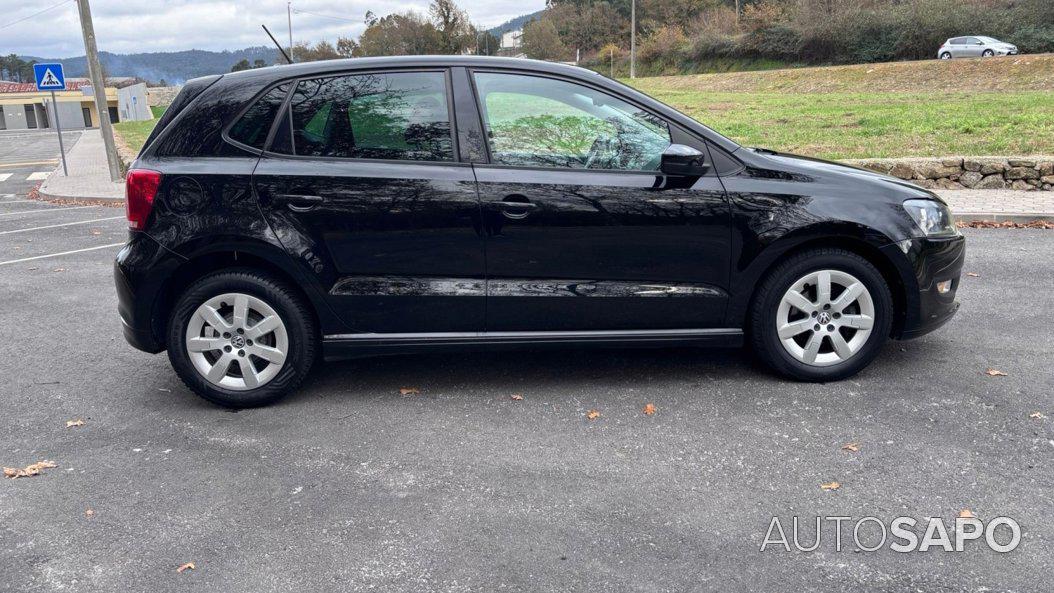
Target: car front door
[
  {"x": 583, "y": 232},
  {"x": 973, "y": 47},
  {"x": 362, "y": 183}
]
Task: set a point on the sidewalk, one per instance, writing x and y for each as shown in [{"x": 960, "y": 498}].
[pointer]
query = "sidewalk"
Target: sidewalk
[
  {"x": 999, "y": 205},
  {"x": 89, "y": 177}
]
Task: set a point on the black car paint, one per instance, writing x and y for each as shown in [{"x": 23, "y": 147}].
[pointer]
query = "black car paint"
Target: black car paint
[{"x": 405, "y": 248}]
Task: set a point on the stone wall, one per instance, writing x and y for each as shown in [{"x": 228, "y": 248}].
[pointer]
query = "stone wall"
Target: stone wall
[{"x": 1022, "y": 173}]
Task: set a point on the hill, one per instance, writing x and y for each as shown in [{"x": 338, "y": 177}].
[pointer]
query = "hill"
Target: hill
[
  {"x": 516, "y": 23},
  {"x": 1015, "y": 73},
  {"x": 172, "y": 67}
]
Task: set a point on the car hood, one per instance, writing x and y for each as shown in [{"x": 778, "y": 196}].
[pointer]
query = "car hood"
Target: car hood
[{"x": 830, "y": 171}]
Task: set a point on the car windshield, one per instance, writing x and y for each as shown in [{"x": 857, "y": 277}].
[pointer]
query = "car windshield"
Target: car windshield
[{"x": 989, "y": 40}]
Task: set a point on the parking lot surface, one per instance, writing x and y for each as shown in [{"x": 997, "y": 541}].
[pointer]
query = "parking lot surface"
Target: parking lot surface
[{"x": 352, "y": 485}]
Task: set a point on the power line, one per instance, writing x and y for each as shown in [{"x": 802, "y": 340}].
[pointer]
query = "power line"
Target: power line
[
  {"x": 23, "y": 19},
  {"x": 325, "y": 16}
]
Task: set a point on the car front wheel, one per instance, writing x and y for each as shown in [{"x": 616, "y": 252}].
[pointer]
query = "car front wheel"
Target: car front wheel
[
  {"x": 241, "y": 338},
  {"x": 823, "y": 315},
  {"x": 988, "y": 53}
]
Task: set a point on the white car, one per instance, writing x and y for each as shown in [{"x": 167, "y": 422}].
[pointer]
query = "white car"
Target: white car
[{"x": 975, "y": 47}]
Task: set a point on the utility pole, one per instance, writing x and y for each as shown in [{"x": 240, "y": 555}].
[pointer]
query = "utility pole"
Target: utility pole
[
  {"x": 289, "y": 17},
  {"x": 633, "y": 39},
  {"x": 99, "y": 89}
]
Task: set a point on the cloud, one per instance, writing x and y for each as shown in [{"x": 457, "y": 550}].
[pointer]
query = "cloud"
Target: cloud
[{"x": 133, "y": 26}]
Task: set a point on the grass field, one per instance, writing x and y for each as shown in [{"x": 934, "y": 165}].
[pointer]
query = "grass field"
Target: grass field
[
  {"x": 136, "y": 132},
  {"x": 1001, "y": 106}
]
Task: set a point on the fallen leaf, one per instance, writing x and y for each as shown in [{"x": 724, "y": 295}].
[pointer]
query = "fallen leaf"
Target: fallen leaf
[
  {"x": 187, "y": 566},
  {"x": 89, "y": 513},
  {"x": 967, "y": 514},
  {"x": 972, "y": 274},
  {"x": 593, "y": 414},
  {"x": 831, "y": 486},
  {"x": 1036, "y": 416},
  {"x": 59, "y": 270},
  {"x": 72, "y": 423},
  {"x": 1006, "y": 224},
  {"x": 649, "y": 409},
  {"x": 164, "y": 389},
  {"x": 995, "y": 373},
  {"x": 409, "y": 390},
  {"x": 30, "y": 470},
  {"x": 854, "y": 447},
  {"x": 516, "y": 397},
  {"x": 96, "y": 232}
]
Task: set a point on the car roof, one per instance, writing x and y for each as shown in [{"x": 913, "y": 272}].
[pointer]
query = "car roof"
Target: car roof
[{"x": 325, "y": 66}]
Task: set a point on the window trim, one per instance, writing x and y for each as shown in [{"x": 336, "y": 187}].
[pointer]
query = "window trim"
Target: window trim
[
  {"x": 225, "y": 134},
  {"x": 285, "y": 111},
  {"x": 483, "y": 124}
]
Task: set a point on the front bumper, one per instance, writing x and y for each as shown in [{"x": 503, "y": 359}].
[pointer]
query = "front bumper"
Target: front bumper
[{"x": 931, "y": 263}]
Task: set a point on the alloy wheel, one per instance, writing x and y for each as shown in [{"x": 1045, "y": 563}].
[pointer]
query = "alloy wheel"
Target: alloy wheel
[
  {"x": 237, "y": 341},
  {"x": 825, "y": 318}
]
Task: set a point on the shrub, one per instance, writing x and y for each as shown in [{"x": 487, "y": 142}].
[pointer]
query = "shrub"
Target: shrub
[{"x": 1033, "y": 39}]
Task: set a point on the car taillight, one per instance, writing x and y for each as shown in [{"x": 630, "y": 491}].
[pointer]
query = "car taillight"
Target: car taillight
[{"x": 140, "y": 187}]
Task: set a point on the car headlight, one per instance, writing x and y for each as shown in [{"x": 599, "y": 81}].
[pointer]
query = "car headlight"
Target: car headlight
[{"x": 933, "y": 217}]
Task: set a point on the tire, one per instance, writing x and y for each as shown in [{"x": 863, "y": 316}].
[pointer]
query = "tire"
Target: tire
[
  {"x": 770, "y": 311},
  {"x": 987, "y": 53},
  {"x": 291, "y": 347},
  {"x": 946, "y": 56}
]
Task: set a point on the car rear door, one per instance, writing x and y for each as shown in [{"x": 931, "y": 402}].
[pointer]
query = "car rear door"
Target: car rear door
[
  {"x": 362, "y": 183},
  {"x": 582, "y": 230}
]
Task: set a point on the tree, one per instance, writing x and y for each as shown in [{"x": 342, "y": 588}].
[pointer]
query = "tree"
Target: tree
[
  {"x": 542, "y": 42},
  {"x": 452, "y": 24},
  {"x": 323, "y": 50},
  {"x": 347, "y": 47},
  {"x": 488, "y": 43},
  {"x": 258, "y": 63},
  {"x": 409, "y": 33},
  {"x": 242, "y": 64}
]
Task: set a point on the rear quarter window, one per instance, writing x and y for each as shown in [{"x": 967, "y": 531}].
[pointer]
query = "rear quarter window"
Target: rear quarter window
[{"x": 252, "y": 127}]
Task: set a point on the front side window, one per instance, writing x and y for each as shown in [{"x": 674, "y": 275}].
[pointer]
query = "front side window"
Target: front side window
[
  {"x": 400, "y": 116},
  {"x": 543, "y": 122}
]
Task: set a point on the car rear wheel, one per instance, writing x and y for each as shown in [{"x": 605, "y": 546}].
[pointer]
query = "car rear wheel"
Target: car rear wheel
[
  {"x": 241, "y": 338},
  {"x": 946, "y": 56},
  {"x": 822, "y": 315}
]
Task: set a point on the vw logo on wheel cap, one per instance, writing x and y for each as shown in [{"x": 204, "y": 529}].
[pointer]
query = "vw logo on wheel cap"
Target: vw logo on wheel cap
[
  {"x": 823, "y": 319},
  {"x": 238, "y": 341}
]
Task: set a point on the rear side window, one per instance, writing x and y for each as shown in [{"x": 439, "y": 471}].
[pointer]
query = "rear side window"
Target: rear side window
[
  {"x": 396, "y": 116},
  {"x": 252, "y": 127},
  {"x": 959, "y": 41}
]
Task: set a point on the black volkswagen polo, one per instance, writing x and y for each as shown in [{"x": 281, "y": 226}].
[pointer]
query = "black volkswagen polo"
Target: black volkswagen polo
[{"x": 389, "y": 205}]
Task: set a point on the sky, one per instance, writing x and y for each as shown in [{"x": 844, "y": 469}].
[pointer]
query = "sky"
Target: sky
[{"x": 133, "y": 26}]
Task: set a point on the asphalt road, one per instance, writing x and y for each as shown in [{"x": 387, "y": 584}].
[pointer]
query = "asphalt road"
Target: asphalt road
[
  {"x": 27, "y": 157},
  {"x": 351, "y": 486}
]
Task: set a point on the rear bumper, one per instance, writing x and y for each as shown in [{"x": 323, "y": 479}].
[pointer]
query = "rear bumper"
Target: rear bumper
[
  {"x": 138, "y": 272},
  {"x": 932, "y": 263}
]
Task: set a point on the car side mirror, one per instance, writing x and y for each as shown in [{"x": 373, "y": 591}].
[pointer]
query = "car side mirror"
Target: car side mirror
[{"x": 682, "y": 160}]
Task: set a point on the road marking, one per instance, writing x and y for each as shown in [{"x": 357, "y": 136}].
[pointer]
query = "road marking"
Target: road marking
[
  {"x": 28, "y": 163},
  {"x": 5, "y": 176},
  {"x": 55, "y": 226},
  {"x": 25, "y": 259},
  {"x": 38, "y": 176},
  {"x": 47, "y": 210}
]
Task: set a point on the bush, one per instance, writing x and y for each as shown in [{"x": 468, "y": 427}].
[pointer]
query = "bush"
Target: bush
[{"x": 1033, "y": 39}]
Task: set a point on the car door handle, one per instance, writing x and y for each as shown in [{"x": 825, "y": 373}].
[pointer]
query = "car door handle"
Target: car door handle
[
  {"x": 513, "y": 207},
  {"x": 300, "y": 202}
]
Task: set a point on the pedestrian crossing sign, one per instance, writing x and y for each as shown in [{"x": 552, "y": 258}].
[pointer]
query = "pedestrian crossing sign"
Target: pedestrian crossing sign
[{"x": 49, "y": 77}]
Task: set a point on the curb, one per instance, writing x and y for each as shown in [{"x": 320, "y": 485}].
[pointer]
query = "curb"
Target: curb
[{"x": 1019, "y": 218}]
